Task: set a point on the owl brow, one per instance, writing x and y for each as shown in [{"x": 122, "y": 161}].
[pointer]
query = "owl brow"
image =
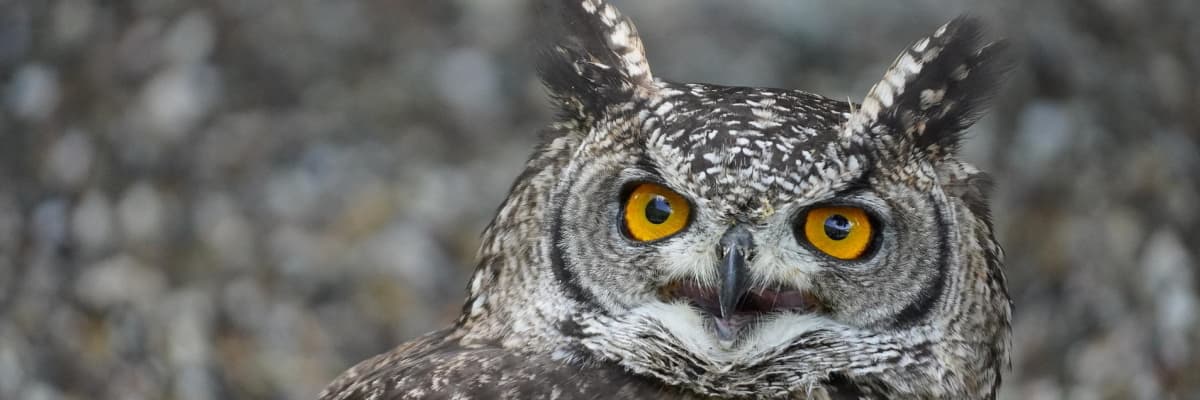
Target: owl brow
[
  {"x": 647, "y": 165},
  {"x": 857, "y": 185},
  {"x": 642, "y": 170}
]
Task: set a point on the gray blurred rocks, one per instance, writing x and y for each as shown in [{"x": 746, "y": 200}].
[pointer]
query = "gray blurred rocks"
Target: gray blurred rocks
[
  {"x": 1170, "y": 286},
  {"x": 11, "y": 223},
  {"x": 190, "y": 39},
  {"x": 73, "y": 22},
  {"x": 120, "y": 280},
  {"x": 39, "y": 391},
  {"x": 69, "y": 160},
  {"x": 1044, "y": 133},
  {"x": 93, "y": 222},
  {"x": 15, "y": 32},
  {"x": 33, "y": 92},
  {"x": 12, "y": 370},
  {"x": 224, "y": 229},
  {"x": 176, "y": 99},
  {"x": 241, "y": 198},
  {"x": 467, "y": 82},
  {"x": 49, "y": 223},
  {"x": 141, "y": 213},
  {"x": 188, "y": 319}
]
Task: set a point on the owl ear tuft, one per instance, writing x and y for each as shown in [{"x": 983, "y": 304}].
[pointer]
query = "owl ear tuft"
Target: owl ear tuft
[
  {"x": 935, "y": 90},
  {"x": 590, "y": 56}
]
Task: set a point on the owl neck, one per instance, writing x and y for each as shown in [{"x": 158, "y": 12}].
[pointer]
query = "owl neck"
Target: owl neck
[{"x": 514, "y": 298}]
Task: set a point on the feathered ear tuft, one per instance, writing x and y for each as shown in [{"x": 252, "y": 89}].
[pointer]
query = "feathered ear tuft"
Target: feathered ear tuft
[
  {"x": 590, "y": 56},
  {"x": 934, "y": 91}
]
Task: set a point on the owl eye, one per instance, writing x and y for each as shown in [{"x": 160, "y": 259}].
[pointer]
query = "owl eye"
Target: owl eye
[
  {"x": 842, "y": 232},
  {"x": 654, "y": 212}
]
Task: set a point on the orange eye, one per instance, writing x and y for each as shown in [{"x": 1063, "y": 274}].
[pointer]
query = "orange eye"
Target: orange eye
[
  {"x": 654, "y": 212},
  {"x": 842, "y": 232}
]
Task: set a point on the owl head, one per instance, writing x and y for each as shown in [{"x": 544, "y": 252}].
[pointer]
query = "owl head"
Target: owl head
[{"x": 738, "y": 241}]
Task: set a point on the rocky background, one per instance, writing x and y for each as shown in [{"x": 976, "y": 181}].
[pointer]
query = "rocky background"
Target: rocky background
[{"x": 240, "y": 198}]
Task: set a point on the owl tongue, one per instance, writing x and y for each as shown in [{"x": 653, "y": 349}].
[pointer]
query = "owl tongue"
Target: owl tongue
[{"x": 726, "y": 331}]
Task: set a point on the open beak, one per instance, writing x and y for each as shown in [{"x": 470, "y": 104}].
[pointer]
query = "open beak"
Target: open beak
[
  {"x": 735, "y": 247},
  {"x": 731, "y": 302}
]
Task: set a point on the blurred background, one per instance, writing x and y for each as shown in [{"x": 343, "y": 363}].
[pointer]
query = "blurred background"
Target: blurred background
[{"x": 218, "y": 199}]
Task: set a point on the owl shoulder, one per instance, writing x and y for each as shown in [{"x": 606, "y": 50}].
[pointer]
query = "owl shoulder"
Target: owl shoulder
[{"x": 435, "y": 367}]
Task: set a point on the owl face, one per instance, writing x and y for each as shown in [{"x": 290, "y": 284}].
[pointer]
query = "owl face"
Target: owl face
[
  {"x": 769, "y": 238},
  {"x": 743, "y": 207}
]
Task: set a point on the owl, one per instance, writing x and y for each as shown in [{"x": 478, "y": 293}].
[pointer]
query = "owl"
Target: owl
[{"x": 681, "y": 240}]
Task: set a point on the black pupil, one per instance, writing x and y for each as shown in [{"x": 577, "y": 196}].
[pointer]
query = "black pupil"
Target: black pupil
[
  {"x": 658, "y": 210},
  {"x": 837, "y": 227}
]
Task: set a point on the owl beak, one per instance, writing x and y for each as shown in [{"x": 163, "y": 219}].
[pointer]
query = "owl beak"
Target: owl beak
[{"x": 735, "y": 247}]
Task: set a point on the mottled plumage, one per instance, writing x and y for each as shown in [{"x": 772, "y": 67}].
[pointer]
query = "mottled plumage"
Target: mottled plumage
[{"x": 740, "y": 302}]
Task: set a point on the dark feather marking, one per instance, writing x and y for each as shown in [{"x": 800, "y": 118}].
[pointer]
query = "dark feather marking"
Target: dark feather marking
[
  {"x": 558, "y": 264},
  {"x": 646, "y": 164},
  {"x": 842, "y": 388},
  {"x": 931, "y": 292}
]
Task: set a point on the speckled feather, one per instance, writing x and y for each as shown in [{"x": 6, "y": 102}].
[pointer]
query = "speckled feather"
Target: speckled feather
[{"x": 561, "y": 306}]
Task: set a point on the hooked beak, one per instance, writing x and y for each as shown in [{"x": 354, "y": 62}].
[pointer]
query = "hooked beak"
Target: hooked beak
[
  {"x": 735, "y": 247},
  {"x": 731, "y": 303}
]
